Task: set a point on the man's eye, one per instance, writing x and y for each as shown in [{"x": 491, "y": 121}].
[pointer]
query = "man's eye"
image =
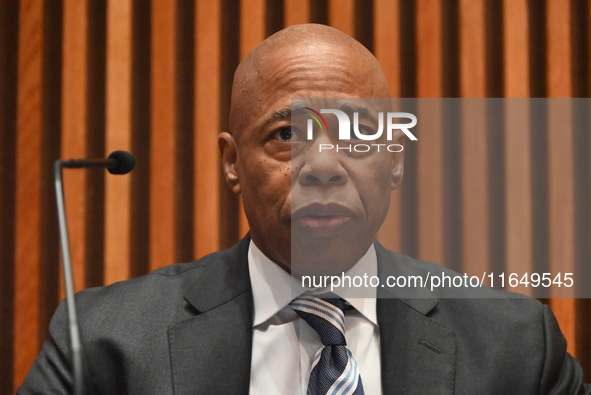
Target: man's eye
[
  {"x": 285, "y": 134},
  {"x": 364, "y": 130}
]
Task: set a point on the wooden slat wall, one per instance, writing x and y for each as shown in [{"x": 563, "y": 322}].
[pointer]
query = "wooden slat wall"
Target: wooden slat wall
[
  {"x": 561, "y": 199},
  {"x": 27, "y": 225},
  {"x": 430, "y": 172},
  {"x": 8, "y": 127},
  {"x": 85, "y": 77},
  {"x": 387, "y": 50},
  {"x": 74, "y": 131},
  {"x": 253, "y": 30},
  {"x": 163, "y": 133},
  {"x": 474, "y": 156},
  {"x": 118, "y": 135},
  {"x": 208, "y": 60}
]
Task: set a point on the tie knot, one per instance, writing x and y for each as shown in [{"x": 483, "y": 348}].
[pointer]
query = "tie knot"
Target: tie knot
[{"x": 325, "y": 316}]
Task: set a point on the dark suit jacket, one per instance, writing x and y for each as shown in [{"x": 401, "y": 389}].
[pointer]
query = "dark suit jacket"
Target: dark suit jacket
[{"x": 187, "y": 329}]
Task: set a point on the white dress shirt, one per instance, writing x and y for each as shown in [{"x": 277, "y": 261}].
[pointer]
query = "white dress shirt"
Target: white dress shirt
[{"x": 283, "y": 344}]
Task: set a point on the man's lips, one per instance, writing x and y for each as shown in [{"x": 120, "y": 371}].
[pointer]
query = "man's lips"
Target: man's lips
[
  {"x": 323, "y": 219},
  {"x": 323, "y": 222}
]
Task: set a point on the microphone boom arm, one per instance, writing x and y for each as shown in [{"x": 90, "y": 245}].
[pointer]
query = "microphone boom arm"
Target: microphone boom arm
[
  {"x": 84, "y": 163},
  {"x": 75, "y": 342}
]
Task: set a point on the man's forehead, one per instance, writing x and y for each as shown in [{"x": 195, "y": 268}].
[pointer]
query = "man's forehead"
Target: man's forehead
[{"x": 300, "y": 60}]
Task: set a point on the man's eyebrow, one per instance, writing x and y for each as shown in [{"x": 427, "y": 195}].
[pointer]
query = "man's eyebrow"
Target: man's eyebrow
[
  {"x": 345, "y": 107},
  {"x": 351, "y": 108},
  {"x": 286, "y": 112}
]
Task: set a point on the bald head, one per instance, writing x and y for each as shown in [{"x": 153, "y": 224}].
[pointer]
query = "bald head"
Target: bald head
[{"x": 303, "y": 59}]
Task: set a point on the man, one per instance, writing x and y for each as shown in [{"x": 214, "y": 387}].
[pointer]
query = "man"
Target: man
[{"x": 227, "y": 324}]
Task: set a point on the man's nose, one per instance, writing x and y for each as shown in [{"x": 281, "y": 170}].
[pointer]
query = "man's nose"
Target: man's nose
[{"x": 322, "y": 167}]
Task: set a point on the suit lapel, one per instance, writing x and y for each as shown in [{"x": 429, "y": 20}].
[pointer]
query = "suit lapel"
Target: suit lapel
[
  {"x": 211, "y": 350},
  {"x": 418, "y": 353}
]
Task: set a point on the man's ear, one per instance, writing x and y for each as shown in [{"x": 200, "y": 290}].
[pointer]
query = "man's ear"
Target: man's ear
[
  {"x": 229, "y": 154},
  {"x": 398, "y": 163}
]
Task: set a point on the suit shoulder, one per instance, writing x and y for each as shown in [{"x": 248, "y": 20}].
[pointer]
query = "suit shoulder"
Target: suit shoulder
[
  {"x": 158, "y": 288},
  {"x": 479, "y": 301}
]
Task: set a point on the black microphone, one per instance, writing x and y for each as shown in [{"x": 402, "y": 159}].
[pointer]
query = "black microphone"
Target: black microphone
[{"x": 118, "y": 162}]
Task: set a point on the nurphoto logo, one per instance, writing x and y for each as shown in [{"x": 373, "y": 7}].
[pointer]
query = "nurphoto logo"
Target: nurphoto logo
[{"x": 390, "y": 119}]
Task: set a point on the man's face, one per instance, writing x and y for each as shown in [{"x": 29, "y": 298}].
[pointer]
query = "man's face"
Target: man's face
[{"x": 311, "y": 212}]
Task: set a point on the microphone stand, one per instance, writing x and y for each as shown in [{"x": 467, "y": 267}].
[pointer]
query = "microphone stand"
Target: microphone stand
[
  {"x": 118, "y": 162},
  {"x": 75, "y": 343}
]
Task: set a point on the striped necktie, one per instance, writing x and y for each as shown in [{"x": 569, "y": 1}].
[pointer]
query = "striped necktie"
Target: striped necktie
[{"x": 334, "y": 370}]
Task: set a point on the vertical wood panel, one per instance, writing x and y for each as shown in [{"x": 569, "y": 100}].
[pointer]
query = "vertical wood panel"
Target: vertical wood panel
[
  {"x": 28, "y": 187},
  {"x": 341, "y": 15},
  {"x": 515, "y": 45},
  {"x": 207, "y": 126},
  {"x": 140, "y": 137},
  {"x": 475, "y": 240},
  {"x": 74, "y": 131},
  {"x": 559, "y": 48},
  {"x": 387, "y": 41},
  {"x": 585, "y": 217},
  {"x": 95, "y": 123},
  {"x": 518, "y": 219},
  {"x": 50, "y": 151},
  {"x": 430, "y": 156},
  {"x": 163, "y": 134},
  {"x": 232, "y": 218},
  {"x": 472, "y": 48},
  {"x": 408, "y": 88},
  {"x": 8, "y": 128},
  {"x": 252, "y": 32},
  {"x": 185, "y": 104},
  {"x": 118, "y": 137},
  {"x": 252, "y": 25},
  {"x": 296, "y": 12},
  {"x": 561, "y": 160},
  {"x": 387, "y": 51},
  {"x": 429, "y": 48},
  {"x": 517, "y": 145}
]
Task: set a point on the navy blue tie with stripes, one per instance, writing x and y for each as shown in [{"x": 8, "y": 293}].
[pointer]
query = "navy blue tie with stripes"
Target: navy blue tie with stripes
[{"x": 334, "y": 370}]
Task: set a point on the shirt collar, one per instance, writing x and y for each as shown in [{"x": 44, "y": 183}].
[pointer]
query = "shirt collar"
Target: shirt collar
[{"x": 273, "y": 288}]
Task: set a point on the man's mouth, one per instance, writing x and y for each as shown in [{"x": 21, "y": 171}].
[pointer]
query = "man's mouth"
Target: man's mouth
[
  {"x": 326, "y": 222},
  {"x": 323, "y": 220}
]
